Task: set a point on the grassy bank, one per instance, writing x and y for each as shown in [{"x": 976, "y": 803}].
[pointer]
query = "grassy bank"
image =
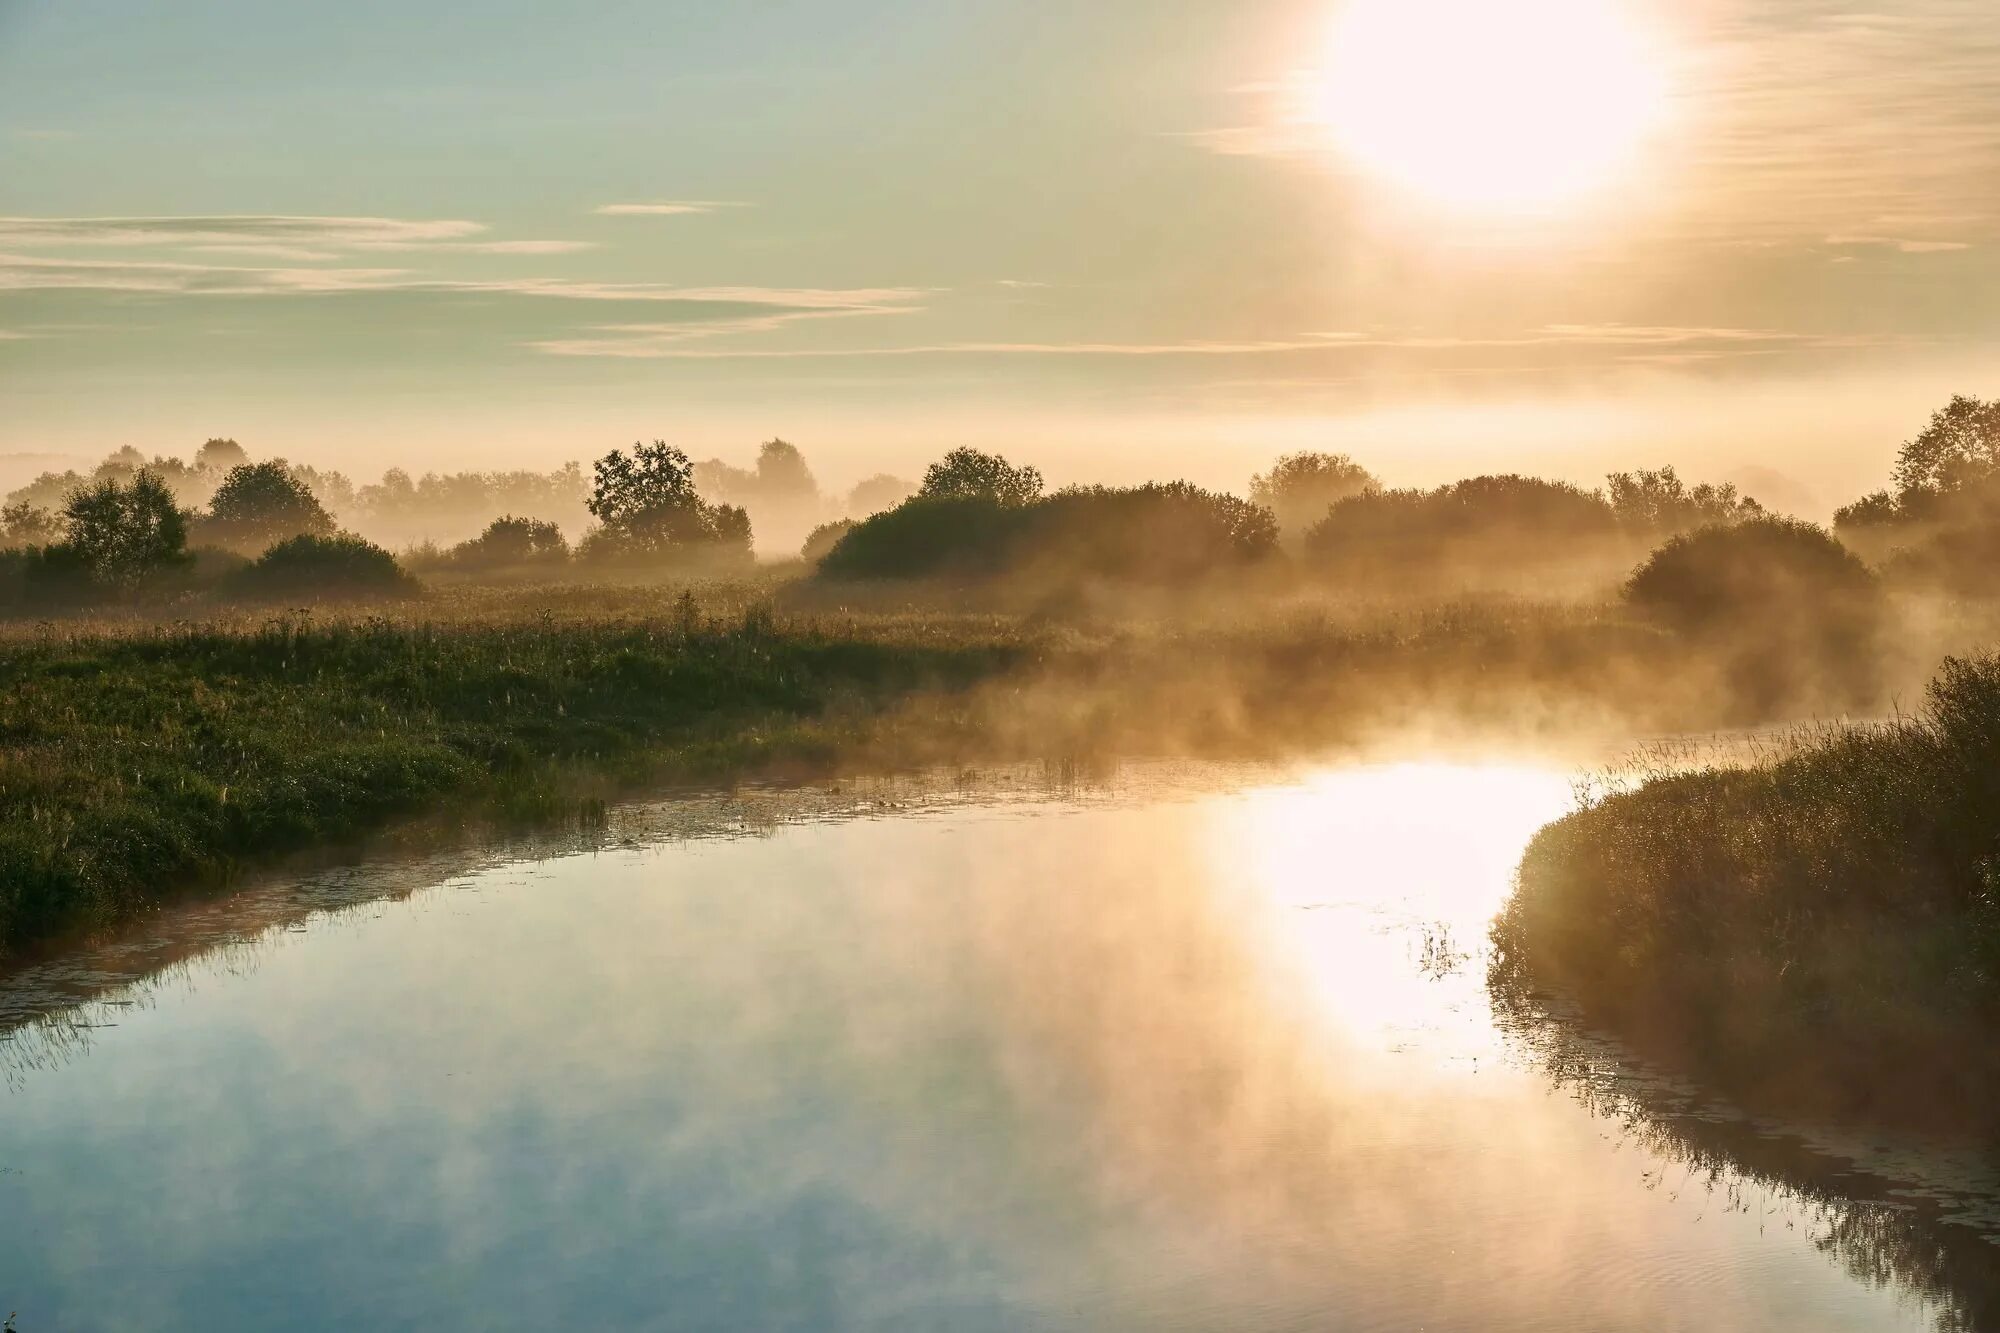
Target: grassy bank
[
  {"x": 137, "y": 761},
  {"x": 1818, "y": 932},
  {"x": 136, "y": 757}
]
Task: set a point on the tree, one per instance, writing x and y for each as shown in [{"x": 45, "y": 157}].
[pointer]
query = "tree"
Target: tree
[
  {"x": 259, "y": 504},
  {"x": 219, "y": 456},
  {"x": 782, "y": 473},
  {"x": 1660, "y": 502},
  {"x": 1301, "y": 487},
  {"x": 878, "y": 493},
  {"x": 120, "y": 533},
  {"x": 1960, "y": 446},
  {"x": 25, "y": 524},
  {"x": 648, "y": 504},
  {"x": 967, "y": 474}
]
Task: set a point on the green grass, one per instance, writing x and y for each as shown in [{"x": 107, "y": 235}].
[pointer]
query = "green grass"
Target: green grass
[
  {"x": 1819, "y": 931},
  {"x": 135, "y": 762}
]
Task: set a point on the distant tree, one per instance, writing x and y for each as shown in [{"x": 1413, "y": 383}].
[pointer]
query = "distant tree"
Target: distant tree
[
  {"x": 119, "y": 533},
  {"x": 1301, "y": 487},
  {"x": 1658, "y": 503},
  {"x": 878, "y": 493},
  {"x": 1960, "y": 446},
  {"x": 648, "y": 504},
  {"x": 967, "y": 474},
  {"x": 25, "y": 524},
  {"x": 262, "y": 503},
  {"x": 514, "y": 541},
  {"x": 782, "y": 472},
  {"x": 220, "y": 455}
]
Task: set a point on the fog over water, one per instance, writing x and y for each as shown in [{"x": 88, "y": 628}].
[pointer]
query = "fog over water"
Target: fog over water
[{"x": 1194, "y": 1048}]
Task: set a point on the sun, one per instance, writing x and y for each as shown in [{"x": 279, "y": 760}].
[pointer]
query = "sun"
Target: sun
[{"x": 1493, "y": 105}]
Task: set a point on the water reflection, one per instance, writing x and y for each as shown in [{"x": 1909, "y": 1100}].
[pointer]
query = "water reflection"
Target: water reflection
[{"x": 1195, "y": 1050}]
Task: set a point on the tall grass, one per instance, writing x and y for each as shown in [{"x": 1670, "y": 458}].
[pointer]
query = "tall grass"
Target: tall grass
[
  {"x": 1819, "y": 929},
  {"x": 133, "y": 762}
]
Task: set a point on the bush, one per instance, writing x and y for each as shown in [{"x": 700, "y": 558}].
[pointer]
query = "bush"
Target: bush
[
  {"x": 926, "y": 537},
  {"x": 1167, "y": 533},
  {"x": 821, "y": 541},
  {"x": 1787, "y": 606},
  {"x": 339, "y": 565},
  {"x": 1482, "y": 530},
  {"x": 512, "y": 543}
]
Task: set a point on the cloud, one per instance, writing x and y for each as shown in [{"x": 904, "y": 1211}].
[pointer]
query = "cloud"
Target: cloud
[
  {"x": 271, "y": 236},
  {"x": 667, "y": 208},
  {"x": 1901, "y": 245},
  {"x": 639, "y": 341},
  {"x": 26, "y": 272}
]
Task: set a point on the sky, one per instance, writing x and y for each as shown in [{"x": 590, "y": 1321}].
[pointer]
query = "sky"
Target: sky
[{"x": 1122, "y": 239}]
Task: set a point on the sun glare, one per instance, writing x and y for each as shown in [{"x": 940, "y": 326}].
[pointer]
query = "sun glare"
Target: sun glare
[{"x": 1479, "y": 105}]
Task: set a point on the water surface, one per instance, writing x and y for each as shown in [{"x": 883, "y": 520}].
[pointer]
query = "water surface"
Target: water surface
[{"x": 1193, "y": 1049}]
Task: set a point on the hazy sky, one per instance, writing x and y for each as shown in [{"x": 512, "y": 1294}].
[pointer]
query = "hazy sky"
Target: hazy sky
[{"x": 1116, "y": 238}]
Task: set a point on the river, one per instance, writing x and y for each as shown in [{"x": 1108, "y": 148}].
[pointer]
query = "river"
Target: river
[{"x": 1182, "y": 1047}]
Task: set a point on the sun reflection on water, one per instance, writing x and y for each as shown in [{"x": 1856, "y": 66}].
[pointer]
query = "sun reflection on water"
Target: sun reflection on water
[{"x": 1380, "y": 884}]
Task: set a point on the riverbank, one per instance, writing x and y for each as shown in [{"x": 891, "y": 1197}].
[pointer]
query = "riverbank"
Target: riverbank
[
  {"x": 144, "y": 758},
  {"x": 150, "y": 759},
  {"x": 1817, "y": 932}
]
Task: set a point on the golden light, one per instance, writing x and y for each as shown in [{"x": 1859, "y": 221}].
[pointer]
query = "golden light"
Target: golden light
[{"x": 1498, "y": 105}]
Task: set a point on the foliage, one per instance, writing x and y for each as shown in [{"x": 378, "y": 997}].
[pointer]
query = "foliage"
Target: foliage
[
  {"x": 1788, "y": 610},
  {"x": 1822, "y": 927},
  {"x": 1959, "y": 447},
  {"x": 1473, "y": 530},
  {"x": 1167, "y": 533},
  {"x": 821, "y": 541},
  {"x": 341, "y": 565},
  {"x": 511, "y": 542},
  {"x": 1301, "y": 487},
  {"x": 967, "y": 474},
  {"x": 219, "y": 456},
  {"x": 259, "y": 504},
  {"x": 118, "y": 534},
  {"x": 1659, "y": 503},
  {"x": 878, "y": 494},
  {"x": 927, "y": 537},
  {"x": 25, "y": 524},
  {"x": 648, "y": 505}
]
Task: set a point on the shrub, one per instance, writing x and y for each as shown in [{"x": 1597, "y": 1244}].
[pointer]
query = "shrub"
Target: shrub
[
  {"x": 340, "y": 565},
  {"x": 821, "y": 541},
  {"x": 925, "y": 537},
  {"x": 512, "y": 543},
  {"x": 1167, "y": 533},
  {"x": 1786, "y": 607},
  {"x": 1484, "y": 529},
  {"x": 259, "y": 504}
]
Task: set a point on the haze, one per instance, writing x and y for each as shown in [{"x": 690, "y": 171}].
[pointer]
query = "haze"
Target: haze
[{"x": 1127, "y": 239}]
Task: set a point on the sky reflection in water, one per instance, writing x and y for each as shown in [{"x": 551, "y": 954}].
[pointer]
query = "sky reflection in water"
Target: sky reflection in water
[{"x": 1187, "y": 1054}]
